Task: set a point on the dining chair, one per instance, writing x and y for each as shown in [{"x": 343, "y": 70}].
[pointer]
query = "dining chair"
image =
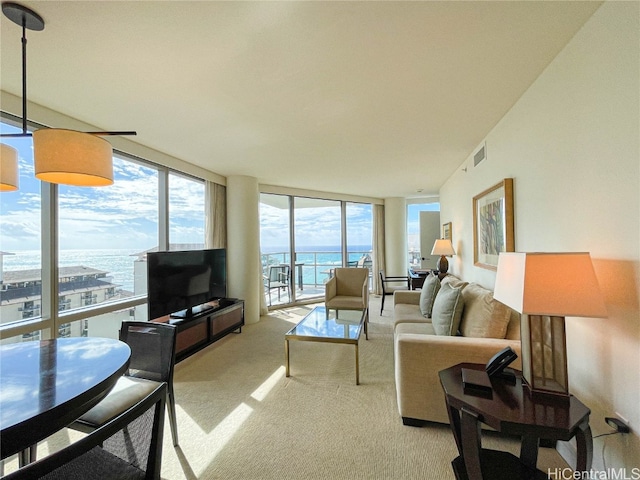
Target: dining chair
[
  {"x": 278, "y": 277},
  {"x": 389, "y": 289},
  {"x": 129, "y": 446},
  {"x": 153, "y": 351}
]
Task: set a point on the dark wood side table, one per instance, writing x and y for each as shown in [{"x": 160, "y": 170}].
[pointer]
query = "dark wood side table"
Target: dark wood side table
[
  {"x": 417, "y": 277},
  {"x": 512, "y": 410}
]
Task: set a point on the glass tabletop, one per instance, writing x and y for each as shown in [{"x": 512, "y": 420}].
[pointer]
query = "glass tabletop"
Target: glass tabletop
[{"x": 316, "y": 324}]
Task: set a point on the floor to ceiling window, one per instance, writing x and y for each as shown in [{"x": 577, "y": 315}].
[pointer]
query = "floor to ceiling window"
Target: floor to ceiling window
[
  {"x": 359, "y": 235},
  {"x": 186, "y": 212},
  {"x": 413, "y": 229},
  {"x": 359, "y": 221},
  {"x": 102, "y": 234},
  {"x": 323, "y": 234},
  {"x": 275, "y": 244},
  {"x": 102, "y": 238},
  {"x": 20, "y": 239},
  {"x": 317, "y": 240}
]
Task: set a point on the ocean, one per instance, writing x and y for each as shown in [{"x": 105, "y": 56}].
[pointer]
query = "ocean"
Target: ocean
[{"x": 118, "y": 263}]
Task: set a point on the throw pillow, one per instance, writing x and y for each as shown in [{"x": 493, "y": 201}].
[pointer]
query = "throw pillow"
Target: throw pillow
[
  {"x": 500, "y": 318},
  {"x": 447, "y": 310},
  {"x": 484, "y": 317},
  {"x": 454, "y": 281},
  {"x": 428, "y": 294}
]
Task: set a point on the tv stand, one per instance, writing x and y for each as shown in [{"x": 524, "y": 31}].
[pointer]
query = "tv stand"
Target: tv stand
[
  {"x": 203, "y": 328},
  {"x": 192, "y": 312}
]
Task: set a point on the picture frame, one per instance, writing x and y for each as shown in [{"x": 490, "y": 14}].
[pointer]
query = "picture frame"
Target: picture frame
[
  {"x": 446, "y": 231},
  {"x": 493, "y": 224}
]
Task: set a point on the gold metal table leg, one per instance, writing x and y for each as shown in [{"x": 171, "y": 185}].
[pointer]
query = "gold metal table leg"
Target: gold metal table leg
[
  {"x": 357, "y": 366},
  {"x": 286, "y": 356}
]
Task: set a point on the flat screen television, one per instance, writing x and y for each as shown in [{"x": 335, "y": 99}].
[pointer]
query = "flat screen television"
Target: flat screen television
[{"x": 181, "y": 283}]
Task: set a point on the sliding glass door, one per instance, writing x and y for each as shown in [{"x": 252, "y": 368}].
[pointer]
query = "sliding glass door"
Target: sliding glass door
[
  {"x": 317, "y": 242},
  {"x": 303, "y": 239},
  {"x": 275, "y": 245}
]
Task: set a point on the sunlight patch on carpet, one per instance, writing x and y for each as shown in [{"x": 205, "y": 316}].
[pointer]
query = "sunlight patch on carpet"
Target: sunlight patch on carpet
[{"x": 263, "y": 390}]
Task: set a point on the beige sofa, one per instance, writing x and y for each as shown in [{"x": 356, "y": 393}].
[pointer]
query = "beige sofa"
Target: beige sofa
[{"x": 420, "y": 353}]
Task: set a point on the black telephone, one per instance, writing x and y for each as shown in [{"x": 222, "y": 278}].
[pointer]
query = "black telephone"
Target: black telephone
[{"x": 495, "y": 367}]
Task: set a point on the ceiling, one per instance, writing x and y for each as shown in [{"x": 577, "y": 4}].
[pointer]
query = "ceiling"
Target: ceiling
[{"x": 378, "y": 99}]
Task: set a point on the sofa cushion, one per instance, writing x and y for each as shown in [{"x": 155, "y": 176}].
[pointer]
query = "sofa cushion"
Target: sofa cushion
[
  {"x": 447, "y": 310},
  {"x": 483, "y": 316},
  {"x": 428, "y": 294},
  {"x": 403, "y": 312},
  {"x": 422, "y": 328}
]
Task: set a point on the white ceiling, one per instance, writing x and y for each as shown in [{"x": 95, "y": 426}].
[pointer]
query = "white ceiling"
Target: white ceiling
[{"x": 377, "y": 99}]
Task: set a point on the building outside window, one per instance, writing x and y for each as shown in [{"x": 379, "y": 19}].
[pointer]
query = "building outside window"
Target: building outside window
[
  {"x": 30, "y": 309},
  {"x": 413, "y": 229},
  {"x": 64, "y": 330}
]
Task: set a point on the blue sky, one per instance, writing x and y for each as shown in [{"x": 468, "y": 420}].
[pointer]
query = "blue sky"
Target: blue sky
[
  {"x": 315, "y": 226},
  {"x": 123, "y": 215},
  {"x": 413, "y": 221}
]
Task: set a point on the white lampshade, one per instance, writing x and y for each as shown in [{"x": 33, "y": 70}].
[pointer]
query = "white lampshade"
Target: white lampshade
[
  {"x": 72, "y": 158},
  {"x": 442, "y": 247},
  {"x": 562, "y": 284},
  {"x": 8, "y": 168}
]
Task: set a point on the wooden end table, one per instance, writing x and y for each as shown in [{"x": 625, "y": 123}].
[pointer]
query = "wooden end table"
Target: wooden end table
[{"x": 512, "y": 410}]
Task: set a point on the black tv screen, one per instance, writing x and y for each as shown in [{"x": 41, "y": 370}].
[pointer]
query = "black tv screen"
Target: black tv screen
[{"x": 180, "y": 283}]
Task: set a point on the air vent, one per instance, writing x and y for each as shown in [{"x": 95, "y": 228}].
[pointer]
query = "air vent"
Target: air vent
[{"x": 480, "y": 155}]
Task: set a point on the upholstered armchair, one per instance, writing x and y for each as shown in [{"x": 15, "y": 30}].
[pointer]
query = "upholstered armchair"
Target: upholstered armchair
[{"x": 348, "y": 289}]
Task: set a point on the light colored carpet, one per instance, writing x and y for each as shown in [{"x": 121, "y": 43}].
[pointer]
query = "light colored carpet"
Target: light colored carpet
[{"x": 239, "y": 417}]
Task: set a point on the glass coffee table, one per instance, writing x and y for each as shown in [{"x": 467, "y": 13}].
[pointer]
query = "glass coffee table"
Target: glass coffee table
[{"x": 317, "y": 326}]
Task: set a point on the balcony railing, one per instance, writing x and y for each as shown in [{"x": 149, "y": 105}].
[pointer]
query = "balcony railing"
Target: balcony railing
[{"x": 312, "y": 269}]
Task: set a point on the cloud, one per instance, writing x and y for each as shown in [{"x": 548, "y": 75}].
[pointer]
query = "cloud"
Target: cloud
[{"x": 315, "y": 226}]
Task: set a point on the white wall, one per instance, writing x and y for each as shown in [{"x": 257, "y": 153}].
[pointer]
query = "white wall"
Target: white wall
[{"x": 571, "y": 143}]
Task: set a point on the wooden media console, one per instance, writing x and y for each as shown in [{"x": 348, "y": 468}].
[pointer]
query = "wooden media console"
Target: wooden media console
[{"x": 202, "y": 329}]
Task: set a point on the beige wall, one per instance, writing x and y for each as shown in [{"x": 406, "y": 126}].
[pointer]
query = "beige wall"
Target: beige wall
[
  {"x": 571, "y": 143},
  {"x": 244, "y": 275},
  {"x": 395, "y": 230}
]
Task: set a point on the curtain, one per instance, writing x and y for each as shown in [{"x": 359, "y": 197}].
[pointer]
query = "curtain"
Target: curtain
[
  {"x": 215, "y": 223},
  {"x": 378, "y": 247}
]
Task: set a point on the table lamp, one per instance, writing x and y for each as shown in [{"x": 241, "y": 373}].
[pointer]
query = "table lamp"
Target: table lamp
[
  {"x": 442, "y": 247},
  {"x": 545, "y": 288}
]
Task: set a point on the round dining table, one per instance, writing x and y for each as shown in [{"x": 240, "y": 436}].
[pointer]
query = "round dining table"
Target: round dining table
[{"x": 46, "y": 385}]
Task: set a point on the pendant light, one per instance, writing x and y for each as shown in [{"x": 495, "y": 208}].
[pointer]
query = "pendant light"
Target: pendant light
[
  {"x": 72, "y": 158},
  {"x": 8, "y": 168},
  {"x": 60, "y": 156}
]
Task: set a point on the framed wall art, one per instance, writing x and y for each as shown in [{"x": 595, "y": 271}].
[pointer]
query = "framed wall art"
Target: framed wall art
[
  {"x": 446, "y": 231},
  {"x": 493, "y": 226}
]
